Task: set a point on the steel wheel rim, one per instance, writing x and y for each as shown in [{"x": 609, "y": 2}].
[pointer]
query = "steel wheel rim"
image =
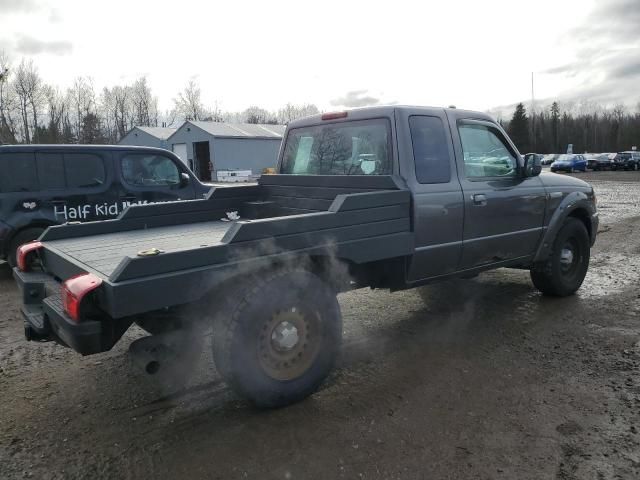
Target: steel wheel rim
[
  {"x": 289, "y": 343},
  {"x": 570, "y": 258}
]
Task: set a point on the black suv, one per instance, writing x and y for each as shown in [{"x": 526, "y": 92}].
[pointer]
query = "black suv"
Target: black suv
[
  {"x": 626, "y": 161},
  {"x": 44, "y": 185}
]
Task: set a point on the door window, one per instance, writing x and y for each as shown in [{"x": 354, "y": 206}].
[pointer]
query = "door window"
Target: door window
[
  {"x": 486, "y": 153},
  {"x": 18, "y": 173},
  {"x": 84, "y": 170},
  {"x": 149, "y": 170},
  {"x": 50, "y": 171},
  {"x": 430, "y": 150}
]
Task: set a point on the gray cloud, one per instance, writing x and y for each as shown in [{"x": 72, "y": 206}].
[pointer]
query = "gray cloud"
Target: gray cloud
[
  {"x": 355, "y": 98},
  {"x": 609, "y": 66},
  {"x": 10, "y": 6},
  {"x": 32, "y": 46}
]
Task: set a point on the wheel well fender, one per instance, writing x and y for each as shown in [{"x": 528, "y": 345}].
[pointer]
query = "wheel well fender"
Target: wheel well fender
[{"x": 576, "y": 205}]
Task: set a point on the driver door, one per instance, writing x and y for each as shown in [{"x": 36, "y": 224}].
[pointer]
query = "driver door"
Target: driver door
[
  {"x": 504, "y": 211},
  {"x": 147, "y": 178}
]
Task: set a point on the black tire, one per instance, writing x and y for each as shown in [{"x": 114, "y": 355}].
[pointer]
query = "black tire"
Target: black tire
[
  {"x": 22, "y": 237},
  {"x": 254, "y": 348},
  {"x": 563, "y": 273}
]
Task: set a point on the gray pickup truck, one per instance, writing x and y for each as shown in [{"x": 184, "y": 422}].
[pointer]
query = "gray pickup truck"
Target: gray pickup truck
[{"x": 384, "y": 197}]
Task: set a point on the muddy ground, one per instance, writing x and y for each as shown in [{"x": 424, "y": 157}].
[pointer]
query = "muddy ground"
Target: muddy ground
[{"x": 509, "y": 385}]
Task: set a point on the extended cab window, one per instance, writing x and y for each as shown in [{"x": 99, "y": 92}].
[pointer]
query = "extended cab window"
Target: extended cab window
[
  {"x": 430, "y": 150},
  {"x": 84, "y": 170},
  {"x": 18, "y": 173},
  {"x": 348, "y": 148},
  {"x": 485, "y": 152},
  {"x": 149, "y": 170}
]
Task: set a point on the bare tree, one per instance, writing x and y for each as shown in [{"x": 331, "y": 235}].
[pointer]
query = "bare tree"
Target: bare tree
[
  {"x": 28, "y": 87},
  {"x": 188, "y": 103},
  {"x": 145, "y": 105},
  {"x": 7, "y": 103},
  {"x": 292, "y": 112},
  {"x": 82, "y": 100}
]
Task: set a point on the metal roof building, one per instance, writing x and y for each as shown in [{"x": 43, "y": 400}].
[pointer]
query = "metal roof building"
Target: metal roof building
[
  {"x": 148, "y": 137},
  {"x": 208, "y": 147}
]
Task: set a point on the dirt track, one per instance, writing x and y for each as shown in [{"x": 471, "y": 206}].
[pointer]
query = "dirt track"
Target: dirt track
[{"x": 510, "y": 385}]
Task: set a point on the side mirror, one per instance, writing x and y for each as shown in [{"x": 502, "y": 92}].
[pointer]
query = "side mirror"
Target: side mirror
[
  {"x": 532, "y": 165},
  {"x": 184, "y": 180}
]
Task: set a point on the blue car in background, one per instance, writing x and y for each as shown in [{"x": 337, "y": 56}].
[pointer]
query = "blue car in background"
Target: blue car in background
[{"x": 569, "y": 163}]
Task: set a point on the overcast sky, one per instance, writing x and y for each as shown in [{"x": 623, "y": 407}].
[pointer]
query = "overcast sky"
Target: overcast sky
[{"x": 474, "y": 54}]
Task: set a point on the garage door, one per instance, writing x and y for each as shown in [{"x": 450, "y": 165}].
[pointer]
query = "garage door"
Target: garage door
[{"x": 180, "y": 149}]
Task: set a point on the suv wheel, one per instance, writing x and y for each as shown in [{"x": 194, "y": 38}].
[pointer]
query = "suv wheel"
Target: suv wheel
[
  {"x": 277, "y": 338},
  {"x": 22, "y": 237},
  {"x": 563, "y": 273}
]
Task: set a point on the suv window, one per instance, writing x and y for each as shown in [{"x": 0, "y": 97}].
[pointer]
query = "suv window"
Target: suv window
[
  {"x": 83, "y": 170},
  {"x": 50, "y": 171},
  {"x": 18, "y": 172},
  {"x": 430, "y": 151},
  {"x": 347, "y": 148},
  {"x": 149, "y": 170},
  {"x": 486, "y": 153}
]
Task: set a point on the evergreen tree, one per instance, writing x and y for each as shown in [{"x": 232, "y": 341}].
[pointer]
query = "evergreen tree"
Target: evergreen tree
[
  {"x": 555, "y": 123},
  {"x": 519, "y": 128}
]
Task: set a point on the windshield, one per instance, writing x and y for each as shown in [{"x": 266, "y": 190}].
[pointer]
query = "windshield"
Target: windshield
[
  {"x": 346, "y": 148},
  {"x": 565, "y": 158}
]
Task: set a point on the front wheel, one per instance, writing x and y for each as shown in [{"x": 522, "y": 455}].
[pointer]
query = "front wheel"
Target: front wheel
[
  {"x": 278, "y": 339},
  {"x": 563, "y": 273}
]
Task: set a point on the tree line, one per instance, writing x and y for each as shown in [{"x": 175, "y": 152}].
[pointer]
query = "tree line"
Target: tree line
[
  {"x": 32, "y": 111},
  {"x": 589, "y": 127}
]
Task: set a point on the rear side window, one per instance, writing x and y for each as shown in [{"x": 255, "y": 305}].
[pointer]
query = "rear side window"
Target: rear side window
[
  {"x": 347, "y": 148},
  {"x": 18, "y": 172},
  {"x": 50, "y": 171},
  {"x": 149, "y": 170},
  {"x": 430, "y": 150},
  {"x": 84, "y": 170}
]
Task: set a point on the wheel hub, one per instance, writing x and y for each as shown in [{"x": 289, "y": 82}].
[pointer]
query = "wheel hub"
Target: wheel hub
[
  {"x": 566, "y": 257},
  {"x": 285, "y": 336},
  {"x": 289, "y": 343}
]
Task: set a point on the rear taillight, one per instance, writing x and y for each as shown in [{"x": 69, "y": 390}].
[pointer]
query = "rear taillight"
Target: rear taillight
[
  {"x": 25, "y": 253},
  {"x": 75, "y": 289}
]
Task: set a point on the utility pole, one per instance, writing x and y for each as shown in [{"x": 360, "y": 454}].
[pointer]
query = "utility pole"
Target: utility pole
[{"x": 533, "y": 116}]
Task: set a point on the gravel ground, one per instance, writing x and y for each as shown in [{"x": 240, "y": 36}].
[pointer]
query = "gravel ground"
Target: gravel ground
[{"x": 508, "y": 385}]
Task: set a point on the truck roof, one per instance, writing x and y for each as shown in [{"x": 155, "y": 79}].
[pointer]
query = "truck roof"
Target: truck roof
[{"x": 362, "y": 113}]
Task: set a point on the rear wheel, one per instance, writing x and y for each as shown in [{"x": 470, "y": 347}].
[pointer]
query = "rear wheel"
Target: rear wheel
[
  {"x": 22, "y": 237},
  {"x": 277, "y": 341},
  {"x": 563, "y": 273}
]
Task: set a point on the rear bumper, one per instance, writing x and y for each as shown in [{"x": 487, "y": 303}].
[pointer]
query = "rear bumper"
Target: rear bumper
[{"x": 45, "y": 319}]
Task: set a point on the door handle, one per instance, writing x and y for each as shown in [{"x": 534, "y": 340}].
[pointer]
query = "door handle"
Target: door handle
[{"x": 479, "y": 199}]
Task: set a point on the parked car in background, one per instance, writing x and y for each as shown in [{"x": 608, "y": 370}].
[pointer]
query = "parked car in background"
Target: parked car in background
[
  {"x": 44, "y": 185},
  {"x": 625, "y": 161},
  {"x": 549, "y": 158},
  {"x": 598, "y": 161},
  {"x": 569, "y": 163},
  {"x": 633, "y": 160}
]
